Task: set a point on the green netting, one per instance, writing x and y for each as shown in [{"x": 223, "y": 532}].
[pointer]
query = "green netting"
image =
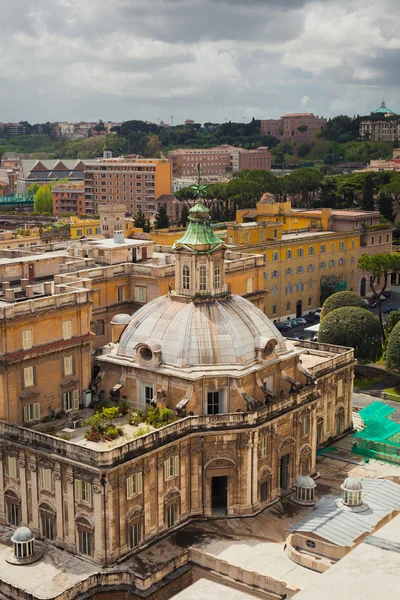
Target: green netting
[{"x": 380, "y": 437}]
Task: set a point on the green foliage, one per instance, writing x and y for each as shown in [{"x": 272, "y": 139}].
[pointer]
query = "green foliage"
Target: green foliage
[
  {"x": 385, "y": 205},
  {"x": 184, "y": 215},
  {"x": 393, "y": 319},
  {"x": 339, "y": 300},
  {"x": 137, "y": 417},
  {"x": 139, "y": 220},
  {"x": 101, "y": 425},
  {"x": 353, "y": 327},
  {"x": 42, "y": 201},
  {"x": 393, "y": 351},
  {"x": 161, "y": 219},
  {"x": 110, "y": 413},
  {"x": 153, "y": 147}
]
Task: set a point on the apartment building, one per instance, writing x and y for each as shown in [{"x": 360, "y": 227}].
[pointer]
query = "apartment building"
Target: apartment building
[
  {"x": 136, "y": 183},
  {"x": 7, "y": 129},
  {"x": 218, "y": 161},
  {"x": 68, "y": 198},
  {"x": 45, "y": 349},
  {"x": 298, "y": 127},
  {"x": 48, "y": 171}
]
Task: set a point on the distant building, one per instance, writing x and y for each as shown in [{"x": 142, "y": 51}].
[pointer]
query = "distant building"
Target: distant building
[
  {"x": 46, "y": 171},
  {"x": 299, "y": 127},
  {"x": 68, "y": 198},
  {"x": 220, "y": 160},
  {"x": 12, "y": 129},
  {"x": 136, "y": 183},
  {"x": 382, "y": 126},
  {"x": 386, "y": 165},
  {"x": 112, "y": 218}
]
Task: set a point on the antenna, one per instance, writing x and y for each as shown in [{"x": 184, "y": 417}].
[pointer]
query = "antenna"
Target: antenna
[
  {"x": 158, "y": 120},
  {"x": 172, "y": 120}
]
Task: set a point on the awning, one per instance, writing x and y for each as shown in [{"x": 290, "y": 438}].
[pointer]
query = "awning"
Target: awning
[
  {"x": 314, "y": 328},
  {"x": 117, "y": 387}
]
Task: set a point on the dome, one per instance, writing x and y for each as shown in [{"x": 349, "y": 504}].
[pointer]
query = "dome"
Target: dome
[
  {"x": 225, "y": 331},
  {"x": 305, "y": 482},
  {"x": 351, "y": 484},
  {"x": 22, "y": 535},
  {"x": 121, "y": 319}
]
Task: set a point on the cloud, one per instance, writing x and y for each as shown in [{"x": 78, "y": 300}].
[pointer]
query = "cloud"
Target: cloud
[{"x": 201, "y": 59}]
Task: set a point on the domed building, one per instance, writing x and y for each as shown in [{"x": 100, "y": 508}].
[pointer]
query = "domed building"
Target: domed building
[{"x": 201, "y": 350}]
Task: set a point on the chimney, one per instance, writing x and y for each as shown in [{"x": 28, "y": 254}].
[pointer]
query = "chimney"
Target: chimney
[
  {"x": 29, "y": 291},
  {"x": 5, "y": 285},
  {"x": 24, "y": 283},
  {"x": 119, "y": 237},
  {"x": 9, "y": 294}
]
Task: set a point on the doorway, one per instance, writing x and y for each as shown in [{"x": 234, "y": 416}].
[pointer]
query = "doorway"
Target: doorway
[
  {"x": 219, "y": 495},
  {"x": 363, "y": 286},
  {"x": 299, "y": 309},
  {"x": 31, "y": 271},
  {"x": 284, "y": 471}
]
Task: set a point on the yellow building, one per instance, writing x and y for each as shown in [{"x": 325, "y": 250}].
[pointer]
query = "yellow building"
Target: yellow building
[{"x": 84, "y": 227}]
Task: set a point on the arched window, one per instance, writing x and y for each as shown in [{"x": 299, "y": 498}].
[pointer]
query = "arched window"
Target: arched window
[
  {"x": 310, "y": 282},
  {"x": 341, "y": 262},
  {"x": 289, "y": 271},
  {"x": 300, "y": 286},
  {"x": 217, "y": 276},
  {"x": 300, "y": 270},
  {"x": 309, "y": 301},
  {"x": 342, "y": 245},
  {"x": 288, "y": 289},
  {"x": 13, "y": 505},
  {"x": 332, "y": 247},
  {"x": 300, "y": 252},
  {"x": 288, "y": 254},
  {"x": 340, "y": 420},
  {"x": 311, "y": 251},
  {"x": 48, "y": 522},
  {"x": 275, "y": 274},
  {"x": 332, "y": 263},
  {"x": 288, "y": 306},
  {"x": 186, "y": 277},
  {"x": 323, "y": 265},
  {"x": 310, "y": 268},
  {"x": 203, "y": 278},
  {"x": 85, "y": 536},
  {"x": 275, "y": 256},
  {"x": 353, "y": 243},
  {"x": 274, "y": 291},
  {"x": 323, "y": 248},
  {"x": 274, "y": 309}
]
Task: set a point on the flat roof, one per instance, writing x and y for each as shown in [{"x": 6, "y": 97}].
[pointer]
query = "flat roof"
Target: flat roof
[
  {"x": 110, "y": 243},
  {"x": 36, "y": 257},
  {"x": 203, "y": 588}
]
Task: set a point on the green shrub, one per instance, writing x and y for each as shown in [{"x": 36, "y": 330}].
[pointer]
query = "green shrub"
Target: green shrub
[
  {"x": 153, "y": 416},
  {"x": 167, "y": 416},
  {"x": 136, "y": 417},
  {"x": 393, "y": 351},
  {"x": 339, "y": 300},
  {"x": 353, "y": 327}
]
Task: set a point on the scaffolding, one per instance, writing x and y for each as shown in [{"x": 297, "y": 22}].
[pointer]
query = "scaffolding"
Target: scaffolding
[
  {"x": 331, "y": 285},
  {"x": 380, "y": 436}
]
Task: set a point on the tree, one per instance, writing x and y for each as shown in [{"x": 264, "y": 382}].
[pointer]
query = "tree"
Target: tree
[
  {"x": 184, "y": 215},
  {"x": 393, "y": 351},
  {"x": 140, "y": 220},
  {"x": 393, "y": 319},
  {"x": 32, "y": 189},
  {"x": 161, "y": 218},
  {"x": 339, "y": 300},
  {"x": 379, "y": 266},
  {"x": 42, "y": 201},
  {"x": 385, "y": 204},
  {"x": 353, "y": 327},
  {"x": 153, "y": 147},
  {"x": 100, "y": 126},
  {"x": 367, "y": 199}
]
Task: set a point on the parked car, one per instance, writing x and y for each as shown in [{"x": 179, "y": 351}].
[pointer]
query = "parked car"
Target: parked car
[
  {"x": 283, "y": 327},
  {"x": 382, "y": 298},
  {"x": 370, "y": 303},
  {"x": 310, "y": 318},
  {"x": 318, "y": 312},
  {"x": 301, "y": 321},
  {"x": 386, "y": 294},
  {"x": 294, "y": 322},
  {"x": 389, "y": 309}
]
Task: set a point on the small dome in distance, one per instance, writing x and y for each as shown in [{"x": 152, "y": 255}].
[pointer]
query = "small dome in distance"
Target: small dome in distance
[
  {"x": 352, "y": 484},
  {"x": 305, "y": 482},
  {"x": 121, "y": 319},
  {"x": 304, "y": 488},
  {"x": 22, "y": 535}
]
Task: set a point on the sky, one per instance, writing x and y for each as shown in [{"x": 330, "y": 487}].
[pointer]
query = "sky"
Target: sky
[{"x": 207, "y": 60}]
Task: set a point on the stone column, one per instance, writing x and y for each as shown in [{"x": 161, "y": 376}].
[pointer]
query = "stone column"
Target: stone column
[
  {"x": 99, "y": 526},
  {"x": 313, "y": 416},
  {"x": 34, "y": 496},
  {"x": 2, "y": 503},
  {"x": 22, "y": 483},
  {"x": 70, "y": 537},
  {"x": 151, "y": 499},
  {"x": 59, "y": 508}
]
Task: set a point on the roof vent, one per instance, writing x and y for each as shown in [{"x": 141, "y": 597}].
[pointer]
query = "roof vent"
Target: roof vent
[{"x": 119, "y": 237}]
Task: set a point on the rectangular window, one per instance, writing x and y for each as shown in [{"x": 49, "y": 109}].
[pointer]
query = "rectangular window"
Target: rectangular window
[
  {"x": 48, "y": 527},
  {"x": 13, "y": 514},
  {"x": 171, "y": 515},
  {"x": 71, "y": 400},
  {"x": 68, "y": 366},
  {"x": 121, "y": 293},
  {"x": 67, "y": 330},
  {"x": 264, "y": 445},
  {"x": 47, "y": 480},
  {"x": 32, "y": 412},
  {"x": 263, "y": 491},
  {"x": 12, "y": 466},
  {"x": 213, "y": 403},
  {"x": 133, "y": 485},
  {"x": 340, "y": 388},
  {"x": 28, "y": 377},
  {"x": 171, "y": 467},
  {"x": 148, "y": 393},
  {"x": 26, "y": 339},
  {"x": 134, "y": 535},
  {"x": 305, "y": 426},
  {"x": 140, "y": 294},
  {"x": 83, "y": 491},
  {"x": 249, "y": 286},
  {"x": 85, "y": 542}
]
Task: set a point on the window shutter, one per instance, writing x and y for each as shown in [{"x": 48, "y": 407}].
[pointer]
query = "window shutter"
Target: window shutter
[
  {"x": 65, "y": 401},
  {"x": 12, "y": 466},
  {"x": 78, "y": 490},
  {"x": 26, "y": 413},
  {"x": 89, "y": 493},
  {"x": 36, "y": 410},
  {"x": 75, "y": 396},
  {"x": 166, "y": 472},
  {"x": 129, "y": 487},
  {"x": 176, "y": 465},
  {"x": 27, "y": 339},
  {"x": 139, "y": 483},
  {"x": 68, "y": 365},
  {"x": 47, "y": 479},
  {"x": 28, "y": 376},
  {"x": 137, "y": 299},
  {"x": 67, "y": 330}
]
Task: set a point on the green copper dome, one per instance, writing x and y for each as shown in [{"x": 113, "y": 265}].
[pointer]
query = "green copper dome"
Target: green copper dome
[
  {"x": 384, "y": 110},
  {"x": 199, "y": 236}
]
